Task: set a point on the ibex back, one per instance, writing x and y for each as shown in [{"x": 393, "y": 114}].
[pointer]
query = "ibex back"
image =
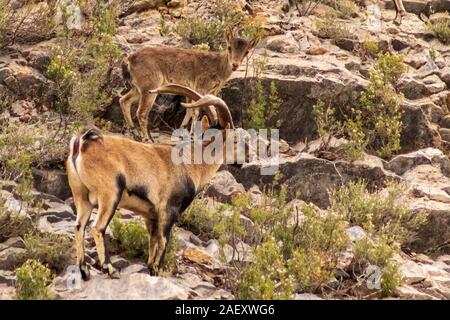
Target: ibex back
[{"x": 203, "y": 71}]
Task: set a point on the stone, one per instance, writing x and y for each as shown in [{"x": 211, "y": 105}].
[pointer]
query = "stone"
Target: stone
[
  {"x": 404, "y": 162},
  {"x": 46, "y": 224},
  {"x": 312, "y": 177},
  {"x": 119, "y": 262},
  {"x": 197, "y": 255},
  {"x": 356, "y": 233},
  {"x": 412, "y": 272},
  {"x": 9, "y": 258},
  {"x": 52, "y": 182},
  {"x": 306, "y": 296},
  {"x": 410, "y": 293},
  {"x": 285, "y": 43},
  {"x": 7, "y": 277},
  {"x": 134, "y": 286},
  {"x": 223, "y": 186}
]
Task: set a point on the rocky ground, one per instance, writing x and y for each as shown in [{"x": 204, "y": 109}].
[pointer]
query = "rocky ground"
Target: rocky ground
[{"x": 304, "y": 68}]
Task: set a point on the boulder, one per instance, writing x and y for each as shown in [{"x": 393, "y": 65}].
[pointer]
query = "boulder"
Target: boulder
[
  {"x": 285, "y": 43},
  {"x": 223, "y": 186},
  {"x": 52, "y": 182},
  {"x": 9, "y": 258},
  {"x": 404, "y": 162},
  {"x": 312, "y": 177}
]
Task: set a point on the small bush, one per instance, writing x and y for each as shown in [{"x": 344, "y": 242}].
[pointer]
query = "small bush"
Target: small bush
[
  {"x": 331, "y": 28},
  {"x": 12, "y": 226},
  {"x": 371, "y": 47},
  {"x": 344, "y": 8},
  {"x": 263, "y": 108},
  {"x": 131, "y": 238},
  {"x": 53, "y": 250},
  {"x": 163, "y": 28},
  {"x": 390, "y": 279},
  {"x": 267, "y": 278},
  {"x": 201, "y": 220},
  {"x": 173, "y": 246},
  {"x": 381, "y": 213},
  {"x": 441, "y": 30},
  {"x": 32, "y": 280},
  {"x": 200, "y": 30}
]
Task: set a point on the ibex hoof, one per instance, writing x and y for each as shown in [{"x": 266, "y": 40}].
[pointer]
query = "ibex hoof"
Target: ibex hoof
[
  {"x": 153, "y": 270},
  {"x": 85, "y": 273},
  {"x": 111, "y": 271}
]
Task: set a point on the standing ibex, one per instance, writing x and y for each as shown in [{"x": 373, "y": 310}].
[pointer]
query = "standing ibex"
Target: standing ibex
[
  {"x": 113, "y": 171},
  {"x": 203, "y": 71},
  {"x": 399, "y": 11}
]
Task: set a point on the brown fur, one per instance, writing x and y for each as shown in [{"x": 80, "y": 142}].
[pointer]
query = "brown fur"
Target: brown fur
[
  {"x": 203, "y": 71},
  {"x": 115, "y": 172}
]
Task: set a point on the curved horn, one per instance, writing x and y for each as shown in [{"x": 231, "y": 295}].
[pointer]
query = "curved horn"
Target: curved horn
[
  {"x": 177, "y": 89},
  {"x": 223, "y": 112}
]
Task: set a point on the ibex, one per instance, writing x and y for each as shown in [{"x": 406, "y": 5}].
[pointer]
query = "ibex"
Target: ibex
[
  {"x": 400, "y": 11},
  {"x": 114, "y": 172},
  {"x": 203, "y": 71}
]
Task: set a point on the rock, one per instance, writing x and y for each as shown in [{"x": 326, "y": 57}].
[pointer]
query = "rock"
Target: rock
[
  {"x": 7, "y": 292},
  {"x": 141, "y": 5},
  {"x": 49, "y": 224},
  {"x": 197, "y": 255},
  {"x": 346, "y": 44},
  {"x": 313, "y": 177},
  {"x": 61, "y": 211},
  {"x": 9, "y": 257},
  {"x": 7, "y": 277},
  {"x": 134, "y": 286},
  {"x": 445, "y": 134},
  {"x": 119, "y": 262},
  {"x": 223, "y": 186},
  {"x": 52, "y": 182},
  {"x": 412, "y": 273},
  {"x": 434, "y": 84},
  {"x": 445, "y": 75},
  {"x": 306, "y": 296},
  {"x": 410, "y": 293},
  {"x": 285, "y": 43},
  {"x": 404, "y": 162},
  {"x": 15, "y": 242},
  {"x": 356, "y": 233}
]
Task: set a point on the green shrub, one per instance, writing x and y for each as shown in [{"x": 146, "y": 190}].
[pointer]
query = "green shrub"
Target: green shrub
[
  {"x": 263, "y": 107},
  {"x": 201, "y": 220},
  {"x": 371, "y": 47},
  {"x": 173, "y": 246},
  {"x": 331, "y": 28},
  {"x": 390, "y": 67},
  {"x": 32, "y": 280},
  {"x": 382, "y": 213},
  {"x": 200, "y": 30},
  {"x": 344, "y": 8},
  {"x": 53, "y": 250},
  {"x": 441, "y": 30},
  {"x": 390, "y": 279},
  {"x": 12, "y": 226},
  {"x": 267, "y": 278},
  {"x": 131, "y": 238},
  {"x": 163, "y": 28}
]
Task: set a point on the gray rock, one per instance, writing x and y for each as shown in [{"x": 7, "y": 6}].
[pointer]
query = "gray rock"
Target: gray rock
[
  {"x": 412, "y": 272},
  {"x": 410, "y": 293},
  {"x": 223, "y": 186},
  {"x": 356, "y": 233},
  {"x": 134, "y": 286},
  {"x": 119, "y": 262},
  {"x": 404, "y": 162},
  {"x": 9, "y": 257},
  {"x": 7, "y": 277},
  {"x": 306, "y": 296},
  {"x": 52, "y": 182},
  {"x": 285, "y": 43}
]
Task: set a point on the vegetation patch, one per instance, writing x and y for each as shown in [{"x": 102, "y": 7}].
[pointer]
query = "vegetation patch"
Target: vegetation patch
[{"x": 32, "y": 281}]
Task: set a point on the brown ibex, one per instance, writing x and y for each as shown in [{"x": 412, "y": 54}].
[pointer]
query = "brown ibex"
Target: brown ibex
[
  {"x": 115, "y": 172},
  {"x": 203, "y": 71}
]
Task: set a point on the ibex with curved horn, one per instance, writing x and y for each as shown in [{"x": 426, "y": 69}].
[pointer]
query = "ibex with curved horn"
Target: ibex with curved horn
[
  {"x": 203, "y": 71},
  {"x": 114, "y": 172}
]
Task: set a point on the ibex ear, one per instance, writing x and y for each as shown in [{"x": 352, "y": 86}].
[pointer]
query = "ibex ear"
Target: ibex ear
[
  {"x": 229, "y": 34},
  {"x": 204, "y": 124},
  {"x": 253, "y": 43}
]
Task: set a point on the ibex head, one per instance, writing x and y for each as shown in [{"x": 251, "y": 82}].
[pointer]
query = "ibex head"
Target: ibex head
[{"x": 237, "y": 48}]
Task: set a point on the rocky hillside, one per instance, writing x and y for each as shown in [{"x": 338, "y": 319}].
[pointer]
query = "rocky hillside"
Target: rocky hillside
[{"x": 338, "y": 206}]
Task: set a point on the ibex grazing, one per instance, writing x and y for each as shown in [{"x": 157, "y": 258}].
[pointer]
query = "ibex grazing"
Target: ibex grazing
[
  {"x": 203, "y": 71},
  {"x": 114, "y": 172}
]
